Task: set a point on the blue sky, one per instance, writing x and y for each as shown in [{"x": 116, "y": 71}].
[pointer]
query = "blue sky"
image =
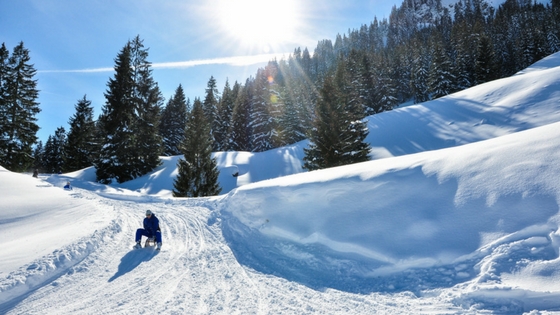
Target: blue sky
[{"x": 73, "y": 43}]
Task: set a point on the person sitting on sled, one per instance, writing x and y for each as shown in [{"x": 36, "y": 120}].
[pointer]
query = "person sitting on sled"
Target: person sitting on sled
[
  {"x": 67, "y": 186},
  {"x": 150, "y": 230}
]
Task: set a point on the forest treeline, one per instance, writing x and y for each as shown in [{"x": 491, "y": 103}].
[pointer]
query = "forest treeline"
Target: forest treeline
[{"x": 421, "y": 52}]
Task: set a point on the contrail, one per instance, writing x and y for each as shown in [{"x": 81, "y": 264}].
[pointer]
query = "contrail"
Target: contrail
[{"x": 234, "y": 61}]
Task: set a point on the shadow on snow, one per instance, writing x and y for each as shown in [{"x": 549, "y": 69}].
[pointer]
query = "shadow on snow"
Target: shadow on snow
[{"x": 132, "y": 260}]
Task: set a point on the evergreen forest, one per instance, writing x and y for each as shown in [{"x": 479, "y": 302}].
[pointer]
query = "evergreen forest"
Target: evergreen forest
[{"x": 423, "y": 51}]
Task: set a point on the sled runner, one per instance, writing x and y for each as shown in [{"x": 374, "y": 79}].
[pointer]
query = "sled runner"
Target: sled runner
[{"x": 150, "y": 242}]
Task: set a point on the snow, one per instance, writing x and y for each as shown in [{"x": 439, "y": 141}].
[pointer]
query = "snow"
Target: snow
[{"x": 458, "y": 213}]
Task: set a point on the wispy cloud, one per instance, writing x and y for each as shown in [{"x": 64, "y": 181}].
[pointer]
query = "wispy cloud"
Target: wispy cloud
[
  {"x": 92, "y": 70},
  {"x": 233, "y": 61}
]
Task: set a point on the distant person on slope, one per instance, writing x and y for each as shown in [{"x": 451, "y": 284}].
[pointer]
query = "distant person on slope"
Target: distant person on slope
[
  {"x": 68, "y": 186},
  {"x": 150, "y": 230}
]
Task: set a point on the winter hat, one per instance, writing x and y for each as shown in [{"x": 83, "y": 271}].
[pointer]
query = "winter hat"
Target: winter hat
[{"x": 148, "y": 212}]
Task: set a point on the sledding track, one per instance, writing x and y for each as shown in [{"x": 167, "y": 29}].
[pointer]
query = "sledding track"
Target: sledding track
[{"x": 195, "y": 273}]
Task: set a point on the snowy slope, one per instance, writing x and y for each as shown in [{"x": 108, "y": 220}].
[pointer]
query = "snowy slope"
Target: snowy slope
[
  {"x": 376, "y": 226},
  {"x": 523, "y": 101},
  {"x": 460, "y": 216}
]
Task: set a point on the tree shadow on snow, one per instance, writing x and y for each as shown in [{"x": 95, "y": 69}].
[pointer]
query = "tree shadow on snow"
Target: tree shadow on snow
[{"x": 132, "y": 260}]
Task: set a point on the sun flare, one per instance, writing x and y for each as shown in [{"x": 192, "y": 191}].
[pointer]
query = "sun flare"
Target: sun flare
[{"x": 259, "y": 23}]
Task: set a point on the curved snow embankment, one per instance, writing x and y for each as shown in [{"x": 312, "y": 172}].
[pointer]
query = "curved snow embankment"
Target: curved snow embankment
[
  {"x": 46, "y": 269},
  {"x": 475, "y": 212}
]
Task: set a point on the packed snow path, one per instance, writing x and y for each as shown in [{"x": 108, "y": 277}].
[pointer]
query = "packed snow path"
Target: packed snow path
[{"x": 195, "y": 273}]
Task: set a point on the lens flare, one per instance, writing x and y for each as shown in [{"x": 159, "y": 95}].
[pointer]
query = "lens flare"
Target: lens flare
[{"x": 262, "y": 23}]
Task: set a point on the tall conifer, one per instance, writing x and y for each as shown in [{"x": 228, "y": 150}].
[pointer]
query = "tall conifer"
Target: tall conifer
[
  {"x": 148, "y": 100},
  {"x": 129, "y": 123},
  {"x": 80, "y": 144},
  {"x": 54, "y": 156},
  {"x": 261, "y": 118},
  {"x": 18, "y": 109},
  {"x": 210, "y": 106},
  {"x": 174, "y": 122},
  {"x": 338, "y": 133},
  {"x": 225, "y": 113},
  {"x": 197, "y": 170},
  {"x": 240, "y": 135},
  {"x": 116, "y": 158}
]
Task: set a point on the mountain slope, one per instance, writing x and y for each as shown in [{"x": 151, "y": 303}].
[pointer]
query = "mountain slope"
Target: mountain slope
[{"x": 524, "y": 101}]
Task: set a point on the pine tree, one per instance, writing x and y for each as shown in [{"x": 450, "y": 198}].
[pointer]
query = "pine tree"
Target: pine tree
[
  {"x": 38, "y": 157},
  {"x": 385, "y": 92},
  {"x": 4, "y": 113},
  {"x": 18, "y": 108},
  {"x": 225, "y": 114},
  {"x": 81, "y": 145},
  {"x": 54, "y": 156},
  {"x": 485, "y": 69},
  {"x": 174, "y": 121},
  {"x": 240, "y": 135},
  {"x": 322, "y": 151},
  {"x": 4, "y": 56},
  {"x": 116, "y": 124},
  {"x": 49, "y": 156},
  {"x": 338, "y": 133},
  {"x": 210, "y": 105},
  {"x": 261, "y": 119},
  {"x": 197, "y": 170},
  {"x": 419, "y": 78},
  {"x": 440, "y": 79},
  {"x": 353, "y": 148},
  {"x": 148, "y": 100},
  {"x": 130, "y": 119},
  {"x": 290, "y": 122}
]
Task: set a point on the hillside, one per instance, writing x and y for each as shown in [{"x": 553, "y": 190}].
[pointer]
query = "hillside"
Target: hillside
[{"x": 521, "y": 102}]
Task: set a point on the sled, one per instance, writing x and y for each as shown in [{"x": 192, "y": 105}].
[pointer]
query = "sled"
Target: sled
[{"x": 150, "y": 242}]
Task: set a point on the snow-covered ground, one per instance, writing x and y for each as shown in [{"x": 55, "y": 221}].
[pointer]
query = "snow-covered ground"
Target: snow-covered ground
[{"x": 457, "y": 214}]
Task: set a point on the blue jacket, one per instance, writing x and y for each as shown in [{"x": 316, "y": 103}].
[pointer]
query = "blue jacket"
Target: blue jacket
[{"x": 151, "y": 224}]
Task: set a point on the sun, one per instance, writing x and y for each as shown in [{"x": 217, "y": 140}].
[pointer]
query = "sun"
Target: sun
[{"x": 263, "y": 24}]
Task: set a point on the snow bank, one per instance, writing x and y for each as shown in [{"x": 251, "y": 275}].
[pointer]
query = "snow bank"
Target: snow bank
[{"x": 419, "y": 212}]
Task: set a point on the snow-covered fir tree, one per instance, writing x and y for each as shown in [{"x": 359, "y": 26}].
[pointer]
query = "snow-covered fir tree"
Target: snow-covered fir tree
[
  {"x": 38, "y": 157},
  {"x": 240, "y": 135},
  {"x": 18, "y": 108},
  {"x": 54, "y": 155},
  {"x": 419, "y": 77},
  {"x": 197, "y": 170},
  {"x": 80, "y": 147},
  {"x": 224, "y": 119},
  {"x": 116, "y": 124},
  {"x": 130, "y": 119},
  {"x": 148, "y": 102},
  {"x": 261, "y": 121},
  {"x": 485, "y": 66},
  {"x": 210, "y": 105},
  {"x": 440, "y": 78},
  {"x": 338, "y": 133},
  {"x": 173, "y": 122}
]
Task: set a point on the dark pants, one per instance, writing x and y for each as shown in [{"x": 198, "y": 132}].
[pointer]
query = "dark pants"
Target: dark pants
[{"x": 142, "y": 232}]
